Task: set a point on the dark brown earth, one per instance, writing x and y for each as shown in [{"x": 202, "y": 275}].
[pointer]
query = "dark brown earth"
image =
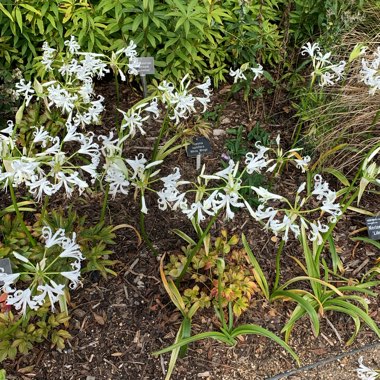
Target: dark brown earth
[{"x": 118, "y": 322}]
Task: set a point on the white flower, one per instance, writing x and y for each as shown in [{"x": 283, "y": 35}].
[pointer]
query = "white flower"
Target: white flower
[
  {"x": 22, "y": 170},
  {"x": 269, "y": 213},
  {"x": 323, "y": 58},
  {"x": 69, "y": 181},
  {"x": 197, "y": 209},
  {"x": 70, "y": 248},
  {"x": 73, "y": 276},
  {"x": 73, "y": 45},
  {"x": 42, "y": 136},
  {"x": 25, "y": 89},
  {"x": 133, "y": 121},
  {"x": 327, "y": 79},
  {"x": 310, "y": 49},
  {"x": 284, "y": 226},
  {"x": 316, "y": 230},
  {"x": 226, "y": 201},
  {"x": 338, "y": 69},
  {"x": 47, "y": 56},
  {"x": 129, "y": 51},
  {"x": 21, "y": 299},
  {"x": 301, "y": 188},
  {"x": 256, "y": 161},
  {"x": 53, "y": 291},
  {"x": 237, "y": 74},
  {"x": 109, "y": 147},
  {"x": 153, "y": 108},
  {"x": 51, "y": 238},
  {"x": 7, "y": 279},
  {"x": 265, "y": 195},
  {"x": 39, "y": 186},
  {"x": 366, "y": 373},
  {"x": 258, "y": 71},
  {"x": 205, "y": 87},
  {"x": 116, "y": 178},
  {"x": 302, "y": 163}
]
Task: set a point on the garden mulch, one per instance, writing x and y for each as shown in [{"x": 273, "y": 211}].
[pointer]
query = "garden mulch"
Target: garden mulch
[{"x": 118, "y": 322}]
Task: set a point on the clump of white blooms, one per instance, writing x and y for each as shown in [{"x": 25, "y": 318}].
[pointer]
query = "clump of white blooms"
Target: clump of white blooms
[
  {"x": 122, "y": 174},
  {"x": 181, "y": 103},
  {"x": 133, "y": 119},
  {"x": 329, "y": 73},
  {"x": 59, "y": 266},
  {"x": 224, "y": 194},
  {"x": 72, "y": 89},
  {"x": 366, "y": 373},
  {"x": 239, "y": 72},
  {"x": 49, "y": 164},
  {"x": 370, "y": 172},
  {"x": 370, "y": 72}
]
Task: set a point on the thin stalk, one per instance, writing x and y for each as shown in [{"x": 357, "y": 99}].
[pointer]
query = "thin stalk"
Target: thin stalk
[
  {"x": 278, "y": 258},
  {"x": 117, "y": 90},
  {"x": 104, "y": 206},
  {"x": 19, "y": 217},
  {"x": 44, "y": 207},
  {"x": 144, "y": 235},
  {"x": 159, "y": 138},
  {"x": 196, "y": 248},
  {"x": 221, "y": 312}
]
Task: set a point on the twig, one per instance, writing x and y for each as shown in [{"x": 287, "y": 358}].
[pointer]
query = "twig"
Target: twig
[{"x": 334, "y": 329}]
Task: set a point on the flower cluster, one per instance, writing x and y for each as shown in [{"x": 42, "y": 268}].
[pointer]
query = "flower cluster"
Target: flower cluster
[
  {"x": 239, "y": 73},
  {"x": 287, "y": 217},
  {"x": 212, "y": 198},
  {"x": 46, "y": 167},
  {"x": 74, "y": 94},
  {"x": 60, "y": 264},
  {"x": 371, "y": 72},
  {"x": 328, "y": 72},
  {"x": 181, "y": 103},
  {"x": 121, "y": 174},
  {"x": 133, "y": 118}
]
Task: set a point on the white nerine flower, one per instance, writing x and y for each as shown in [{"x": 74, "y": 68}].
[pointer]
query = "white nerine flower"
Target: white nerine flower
[
  {"x": 256, "y": 161},
  {"x": 258, "y": 71},
  {"x": 303, "y": 163},
  {"x": 366, "y": 373},
  {"x": 310, "y": 49},
  {"x": 196, "y": 210},
  {"x": 237, "y": 74},
  {"x": 21, "y": 299},
  {"x": 265, "y": 195},
  {"x": 25, "y": 89},
  {"x": 47, "y": 57},
  {"x": 73, "y": 45}
]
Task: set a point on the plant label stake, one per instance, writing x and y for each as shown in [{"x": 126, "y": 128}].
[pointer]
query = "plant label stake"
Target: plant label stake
[
  {"x": 373, "y": 225},
  {"x": 146, "y": 68},
  {"x": 198, "y": 148},
  {"x": 5, "y": 267}
]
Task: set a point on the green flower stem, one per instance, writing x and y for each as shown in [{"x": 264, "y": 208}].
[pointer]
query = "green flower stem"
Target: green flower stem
[
  {"x": 221, "y": 312},
  {"x": 144, "y": 235},
  {"x": 117, "y": 90},
  {"x": 104, "y": 207},
  {"x": 20, "y": 218},
  {"x": 196, "y": 248},
  {"x": 159, "y": 138},
  {"x": 44, "y": 207},
  {"x": 278, "y": 257}
]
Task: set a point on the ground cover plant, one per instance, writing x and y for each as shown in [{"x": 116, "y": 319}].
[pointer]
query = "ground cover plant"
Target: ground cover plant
[{"x": 62, "y": 149}]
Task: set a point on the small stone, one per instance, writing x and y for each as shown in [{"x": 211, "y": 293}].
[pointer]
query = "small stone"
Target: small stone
[
  {"x": 225, "y": 120},
  {"x": 218, "y": 132}
]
